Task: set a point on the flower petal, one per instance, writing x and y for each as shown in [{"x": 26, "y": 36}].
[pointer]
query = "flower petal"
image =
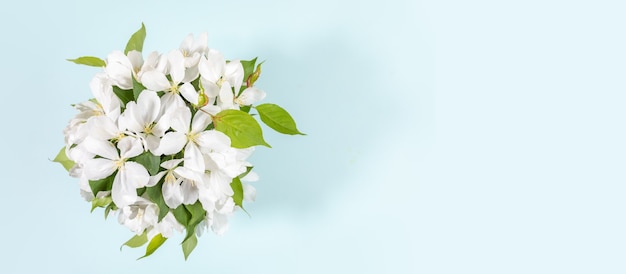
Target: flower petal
[
  {"x": 155, "y": 80},
  {"x": 177, "y": 65},
  {"x": 233, "y": 72},
  {"x": 129, "y": 147},
  {"x": 250, "y": 96},
  {"x": 193, "y": 158},
  {"x": 170, "y": 164},
  {"x": 172, "y": 143},
  {"x": 189, "y": 174},
  {"x": 190, "y": 192},
  {"x": 200, "y": 122},
  {"x": 99, "y": 168},
  {"x": 213, "y": 140},
  {"x": 172, "y": 194},
  {"x": 189, "y": 93},
  {"x": 101, "y": 147},
  {"x": 148, "y": 107},
  {"x": 121, "y": 194},
  {"x": 135, "y": 175},
  {"x": 180, "y": 119}
]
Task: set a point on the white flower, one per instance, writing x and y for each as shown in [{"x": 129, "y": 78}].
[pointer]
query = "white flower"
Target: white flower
[
  {"x": 249, "y": 96},
  {"x": 192, "y": 49},
  {"x": 139, "y": 215},
  {"x": 122, "y": 68},
  {"x": 249, "y": 192},
  {"x": 143, "y": 119},
  {"x": 188, "y": 134},
  {"x": 179, "y": 186},
  {"x": 157, "y": 80},
  {"x": 130, "y": 175},
  {"x": 219, "y": 78},
  {"x": 165, "y": 227}
]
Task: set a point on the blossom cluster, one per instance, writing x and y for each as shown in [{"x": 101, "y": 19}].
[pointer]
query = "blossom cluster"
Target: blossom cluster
[{"x": 164, "y": 142}]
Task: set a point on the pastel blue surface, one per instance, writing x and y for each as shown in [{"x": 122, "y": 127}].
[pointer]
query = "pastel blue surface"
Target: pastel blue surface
[{"x": 443, "y": 136}]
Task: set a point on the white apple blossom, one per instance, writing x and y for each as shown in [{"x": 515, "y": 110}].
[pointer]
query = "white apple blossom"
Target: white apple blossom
[
  {"x": 150, "y": 143},
  {"x": 139, "y": 215},
  {"x": 130, "y": 175},
  {"x": 187, "y": 134}
]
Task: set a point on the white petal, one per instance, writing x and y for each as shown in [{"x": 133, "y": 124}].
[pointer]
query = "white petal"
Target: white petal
[
  {"x": 220, "y": 224},
  {"x": 200, "y": 45},
  {"x": 100, "y": 147},
  {"x": 155, "y": 80},
  {"x": 102, "y": 127},
  {"x": 121, "y": 194},
  {"x": 119, "y": 70},
  {"x": 193, "y": 158},
  {"x": 155, "y": 179},
  {"x": 212, "y": 68},
  {"x": 172, "y": 194},
  {"x": 129, "y": 120},
  {"x": 171, "y": 101},
  {"x": 190, "y": 192},
  {"x": 134, "y": 175},
  {"x": 172, "y": 143},
  {"x": 187, "y": 43},
  {"x": 177, "y": 65},
  {"x": 170, "y": 164},
  {"x": 189, "y": 174},
  {"x": 180, "y": 119},
  {"x": 148, "y": 107},
  {"x": 211, "y": 109},
  {"x": 250, "y": 177},
  {"x": 191, "y": 61},
  {"x": 233, "y": 71},
  {"x": 250, "y": 96},
  {"x": 191, "y": 73},
  {"x": 213, "y": 140},
  {"x": 189, "y": 93},
  {"x": 210, "y": 88},
  {"x": 200, "y": 122},
  {"x": 99, "y": 168},
  {"x": 226, "y": 96},
  {"x": 129, "y": 147},
  {"x": 136, "y": 59},
  {"x": 152, "y": 143},
  {"x": 249, "y": 193}
]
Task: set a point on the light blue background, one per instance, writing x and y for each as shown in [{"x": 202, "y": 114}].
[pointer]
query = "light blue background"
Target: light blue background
[{"x": 443, "y": 136}]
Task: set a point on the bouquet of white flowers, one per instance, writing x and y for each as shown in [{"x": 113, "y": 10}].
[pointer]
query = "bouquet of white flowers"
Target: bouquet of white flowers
[{"x": 165, "y": 139}]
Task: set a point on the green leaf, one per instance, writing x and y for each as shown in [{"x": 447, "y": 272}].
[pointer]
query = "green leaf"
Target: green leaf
[
  {"x": 244, "y": 131},
  {"x": 126, "y": 95},
  {"x": 137, "y": 240},
  {"x": 136, "y": 40},
  {"x": 254, "y": 76},
  {"x": 248, "y": 169},
  {"x": 156, "y": 196},
  {"x": 102, "y": 184},
  {"x": 197, "y": 215},
  {"x": 189, "y": 245},
  {"x": 182, "y": 215},
  {"x": 137, "y": 88},
  {"x": 238, "y": 191},
  {"x": 101, "y": 202},
  {"x": 150, "y": 161},
  {"x": 154, "y": 244},
  {"x": 248, "y": 68},
  {"x": 89, "y": 61},
  {"x": 278, "y": 119},
  {"x": 107, "y": 210},
  {"x": 62, "y": 159}
]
